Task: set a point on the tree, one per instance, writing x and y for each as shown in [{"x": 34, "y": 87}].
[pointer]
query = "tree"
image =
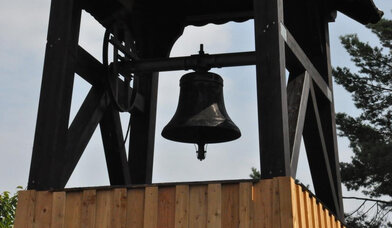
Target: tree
[
  {"x": 7, "y": 208},
  {"x": 370, "y": 133}
]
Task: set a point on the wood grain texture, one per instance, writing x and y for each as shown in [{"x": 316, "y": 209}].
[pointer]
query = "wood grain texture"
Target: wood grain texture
[
  {"x": 230, "y": 203},
  {"x": 245, "y": 205},
  {"x": 89, "y": 204},
  {"x": 43, "y": 210},
  {"x": 276, "y": 213},
  {"x": 58, "y": 209},
  {"x": 301, "y": 207},
  {"x": 308, "y": 209},
  {"x": 166, "y": 207},
  {"x": 73, "y": 210},
  {"x": 320, "y": 213},
  {"x": 214, "y": 213},
  {"x": 314, "y": 213},
  {"x": 263, "y": 204},
  {"x": 327, "y": 219},
  {"x": 269, "y": 203},
  {"x": 151, "y": 207},
  {"x": 25, "y": 209},
  {"x": 296, "y": 212},
  {"x": 119, "y": 208},
  {"x": 135, "y": 208},
  {"x": 286, "y": 201},
  {"x": 198, "y": 206},
  {"x": 103, "y": 212},
  {"x": 182, "y": 206}
]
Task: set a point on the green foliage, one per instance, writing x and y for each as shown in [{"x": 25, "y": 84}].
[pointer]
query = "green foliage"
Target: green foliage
[
  {"x": 7, "y": 208},
  {"x": 255, "y": 175},
  {"x": 370, "y": 134}
]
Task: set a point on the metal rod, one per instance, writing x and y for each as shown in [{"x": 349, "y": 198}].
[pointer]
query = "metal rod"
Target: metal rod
[{"x": 189, "y": 62}]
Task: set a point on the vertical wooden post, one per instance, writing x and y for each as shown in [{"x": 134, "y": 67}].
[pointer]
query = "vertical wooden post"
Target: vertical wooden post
[
  {"x": 56, "y": 94},
  {"x": 271, "y": 89}
]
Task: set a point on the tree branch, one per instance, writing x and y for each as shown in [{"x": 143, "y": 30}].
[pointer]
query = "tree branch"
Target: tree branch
[{"x": 368, "y": 199}]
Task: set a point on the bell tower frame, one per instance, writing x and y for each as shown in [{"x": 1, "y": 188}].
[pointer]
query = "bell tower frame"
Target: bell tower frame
[{"x": 283, "y": 40}]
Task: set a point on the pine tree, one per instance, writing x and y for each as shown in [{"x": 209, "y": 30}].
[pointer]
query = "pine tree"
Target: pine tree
[{"x": 370, "y": 134}]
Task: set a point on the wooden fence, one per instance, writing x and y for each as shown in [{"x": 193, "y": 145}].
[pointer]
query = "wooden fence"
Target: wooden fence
[{"x": 277, "y": 202}]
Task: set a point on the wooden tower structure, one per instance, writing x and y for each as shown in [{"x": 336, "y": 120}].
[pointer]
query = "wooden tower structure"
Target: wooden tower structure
[{"x": 289, "y": 35}]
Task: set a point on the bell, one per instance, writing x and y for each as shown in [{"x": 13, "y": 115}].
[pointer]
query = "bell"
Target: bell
[{"x": 201, "y": 115}]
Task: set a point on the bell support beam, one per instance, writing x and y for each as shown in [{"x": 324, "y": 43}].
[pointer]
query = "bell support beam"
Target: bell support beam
[
  {"x": 305, "y": 61},
  {"x": 153, "y": 39},
  {"x": 311, "y": 48},
  {"x": 114, "y": 146},
  {"x": 190, "y": 62},
  {"x": 91, "y": 70},
  {"x": 56, "y": 95},
  {"x": 297, "y": 100},
  {"x": 81, "y": 130},
  {"x": 317, "y": 154},
  {"x": 271, "y": 89}
]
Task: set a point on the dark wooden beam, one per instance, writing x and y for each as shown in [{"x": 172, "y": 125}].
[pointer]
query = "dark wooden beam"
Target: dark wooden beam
[
  {"x": 297, "y": 100},
  {"x": 317, "y": 154},
  {"x": 113, "y": 143},
  {"x": 56, "y": 94},
  {"x": 81, "y": 130},
  {"x": 306, "y": 62},
  {"x": 91, "y": 70},
  {"x": 327, "y": 113},
  {"x": 154, "y": 39},
  {"x": 141, "y": 151},
  {"x": 271, "y": 89}
]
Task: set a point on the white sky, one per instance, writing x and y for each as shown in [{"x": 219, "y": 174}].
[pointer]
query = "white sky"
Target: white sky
[{"x": 23, "y": 28}]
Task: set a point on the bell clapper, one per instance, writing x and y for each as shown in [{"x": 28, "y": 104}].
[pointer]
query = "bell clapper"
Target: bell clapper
[{"x": 201, "y": 152}]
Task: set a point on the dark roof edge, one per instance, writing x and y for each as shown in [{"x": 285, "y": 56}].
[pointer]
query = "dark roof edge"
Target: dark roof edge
[{"x": 363, "y": 11}]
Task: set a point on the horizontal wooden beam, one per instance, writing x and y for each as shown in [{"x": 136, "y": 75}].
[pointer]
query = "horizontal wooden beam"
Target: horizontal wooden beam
[{"x": 305, "y": 61}]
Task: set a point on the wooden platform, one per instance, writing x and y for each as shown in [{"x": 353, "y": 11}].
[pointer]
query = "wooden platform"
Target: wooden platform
[{"x": 277, "y": 202}]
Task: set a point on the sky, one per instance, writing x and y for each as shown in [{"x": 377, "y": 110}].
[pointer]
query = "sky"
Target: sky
[{"x": 23, "y": 28}]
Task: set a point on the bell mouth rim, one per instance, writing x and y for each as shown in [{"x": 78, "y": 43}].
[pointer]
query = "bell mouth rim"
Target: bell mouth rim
[{"x": 210, "y": 135}]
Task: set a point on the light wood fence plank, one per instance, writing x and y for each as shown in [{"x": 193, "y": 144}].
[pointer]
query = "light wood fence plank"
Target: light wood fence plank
[
  {"x": 327, "y": 218},
  {"x": 119, "y": 208},
  {"x": 89, "y": 204},
  {"x": 320, "y": 213},
  {"x": 182, "y": 206},
  {"x": 135, "y": 207},
  {"x": 315, "y": 218},
  {"x": 166, "y": 207},
  {"x": 230, "y": 203},
  {"x": 286, "y": 201},
  {"x": 103, "y": 211},
  {"x": 294, "y": 195},
  {"x": 198, "y": 206},
  {"x": 43, "y": 210},
  {"x": 308, "y": 209},
  {"x": 246, "y": 206},
  {"x": 25, "y": 209},
  {"x": 214, "y": 214},
  {"x": 73, "y": 210},
  {"x": 276, "y": 212},
  {"x": 58, "y": 209},
  {"x": 301, "y": 206},
  {"x": 263, "y": 191},
  {"x": 151, "y": 207}
]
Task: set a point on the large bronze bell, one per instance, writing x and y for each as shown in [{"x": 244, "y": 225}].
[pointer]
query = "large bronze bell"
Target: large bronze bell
[{"x": 201, "y": 115}]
